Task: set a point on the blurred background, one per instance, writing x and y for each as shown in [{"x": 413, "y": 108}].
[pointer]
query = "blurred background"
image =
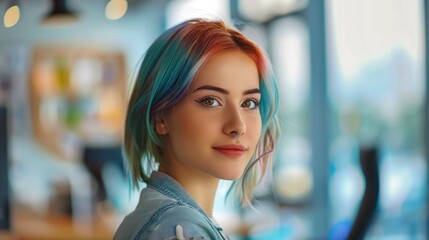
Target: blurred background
[{"x": 353, "y": 74}]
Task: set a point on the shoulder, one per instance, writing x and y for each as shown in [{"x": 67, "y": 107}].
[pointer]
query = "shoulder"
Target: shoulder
[
  {"x": 150, "y": 205},
  {"x": 179, "y": 222},
  {"x": 160, "y": 217}
]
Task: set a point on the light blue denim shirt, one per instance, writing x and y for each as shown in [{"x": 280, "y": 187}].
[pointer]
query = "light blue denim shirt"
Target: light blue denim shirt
[{"x": 166, "y": 211}]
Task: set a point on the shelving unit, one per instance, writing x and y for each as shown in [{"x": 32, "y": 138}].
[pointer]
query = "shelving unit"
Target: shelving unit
[{"x": 77, "y": 98}]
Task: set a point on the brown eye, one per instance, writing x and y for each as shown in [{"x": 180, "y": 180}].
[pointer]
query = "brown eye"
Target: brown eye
[
  {"x": 250, "y": 104},
  {"x": 209, "y": 102},
  {"x": 246, "y": 104}
]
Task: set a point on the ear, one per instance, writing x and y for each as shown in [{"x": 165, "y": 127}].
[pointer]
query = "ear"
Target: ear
[
  {"x": 160, "y": 126},
  {"x": 161, "y": 129}
]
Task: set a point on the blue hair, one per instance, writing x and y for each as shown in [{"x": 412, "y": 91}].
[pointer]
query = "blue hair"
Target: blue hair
[{"x": 164, "y": 78}]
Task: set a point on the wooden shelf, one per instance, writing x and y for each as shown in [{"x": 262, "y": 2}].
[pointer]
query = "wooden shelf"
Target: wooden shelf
[{"x": 30, "y": 226}]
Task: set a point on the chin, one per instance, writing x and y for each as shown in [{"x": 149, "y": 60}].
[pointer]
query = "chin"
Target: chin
[
  {"x": 233, "y": 172},
  {"x": 231, "y": 176}
]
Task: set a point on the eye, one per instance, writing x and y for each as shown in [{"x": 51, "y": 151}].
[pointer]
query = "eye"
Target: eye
[
  {"x": 209, "y": 102},
  {"x": 250, "y": 104}
]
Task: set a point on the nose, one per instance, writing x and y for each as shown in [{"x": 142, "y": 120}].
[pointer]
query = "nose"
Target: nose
[{"x": 235, "y": 125}]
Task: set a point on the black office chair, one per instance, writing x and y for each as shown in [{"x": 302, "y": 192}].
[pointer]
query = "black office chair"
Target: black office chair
[
  {"x": 367, "y": 210},
  {"x": 95, "y": 159},
  {"x": 4, "y": 184}
]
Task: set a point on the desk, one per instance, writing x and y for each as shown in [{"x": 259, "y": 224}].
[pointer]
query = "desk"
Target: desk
[{"x": 27, "y": 226}]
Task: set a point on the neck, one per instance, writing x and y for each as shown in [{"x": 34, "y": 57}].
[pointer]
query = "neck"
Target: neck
[{"x": 200, "y": 186}]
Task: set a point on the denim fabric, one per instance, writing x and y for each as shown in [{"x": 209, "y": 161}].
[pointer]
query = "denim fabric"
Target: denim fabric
[{"x": 166, "y": 211}]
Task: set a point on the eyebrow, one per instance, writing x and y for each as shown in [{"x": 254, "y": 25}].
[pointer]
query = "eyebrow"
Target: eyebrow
[{"x": 224, "y": 91}]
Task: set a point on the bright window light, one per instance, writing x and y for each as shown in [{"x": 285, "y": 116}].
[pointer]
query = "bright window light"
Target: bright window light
[
  {"x": 116, "y": 9},
  {"x": 181, "y": 10},
  {"x": 11, "y": 17}
]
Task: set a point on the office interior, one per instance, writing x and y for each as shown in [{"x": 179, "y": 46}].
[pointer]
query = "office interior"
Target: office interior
[{"x": 352, "y": 162}]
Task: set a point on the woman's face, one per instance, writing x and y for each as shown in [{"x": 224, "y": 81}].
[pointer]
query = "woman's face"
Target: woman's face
[{"x": 215, "y": 128}]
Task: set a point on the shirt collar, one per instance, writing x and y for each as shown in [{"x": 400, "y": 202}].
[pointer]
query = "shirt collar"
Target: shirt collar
[{"x": 170, "y": 187}]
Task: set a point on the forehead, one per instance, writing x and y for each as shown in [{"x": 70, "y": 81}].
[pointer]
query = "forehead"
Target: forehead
[{"x": 233, "y": 67}]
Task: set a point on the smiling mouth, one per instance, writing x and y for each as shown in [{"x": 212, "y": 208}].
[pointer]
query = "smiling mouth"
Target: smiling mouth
[{"x": 231, "y": 151}]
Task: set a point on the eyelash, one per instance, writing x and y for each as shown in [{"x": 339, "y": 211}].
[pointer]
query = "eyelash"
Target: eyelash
[
  {"x": 201, "y": 101},
  {"x": 255, "y": 101}
]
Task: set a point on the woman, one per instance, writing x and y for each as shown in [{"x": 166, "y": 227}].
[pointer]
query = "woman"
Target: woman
[{"x": 203, "y": 108}]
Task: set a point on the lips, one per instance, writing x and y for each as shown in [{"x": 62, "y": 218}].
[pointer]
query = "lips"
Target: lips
[{"x": 231, "y": 150}]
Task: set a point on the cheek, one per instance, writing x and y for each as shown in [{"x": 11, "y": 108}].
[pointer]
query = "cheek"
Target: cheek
[
  {"x": 191, "y": 125},
  {"x": 255, "y": 126},
  {"x": 259, "y": 124}
]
